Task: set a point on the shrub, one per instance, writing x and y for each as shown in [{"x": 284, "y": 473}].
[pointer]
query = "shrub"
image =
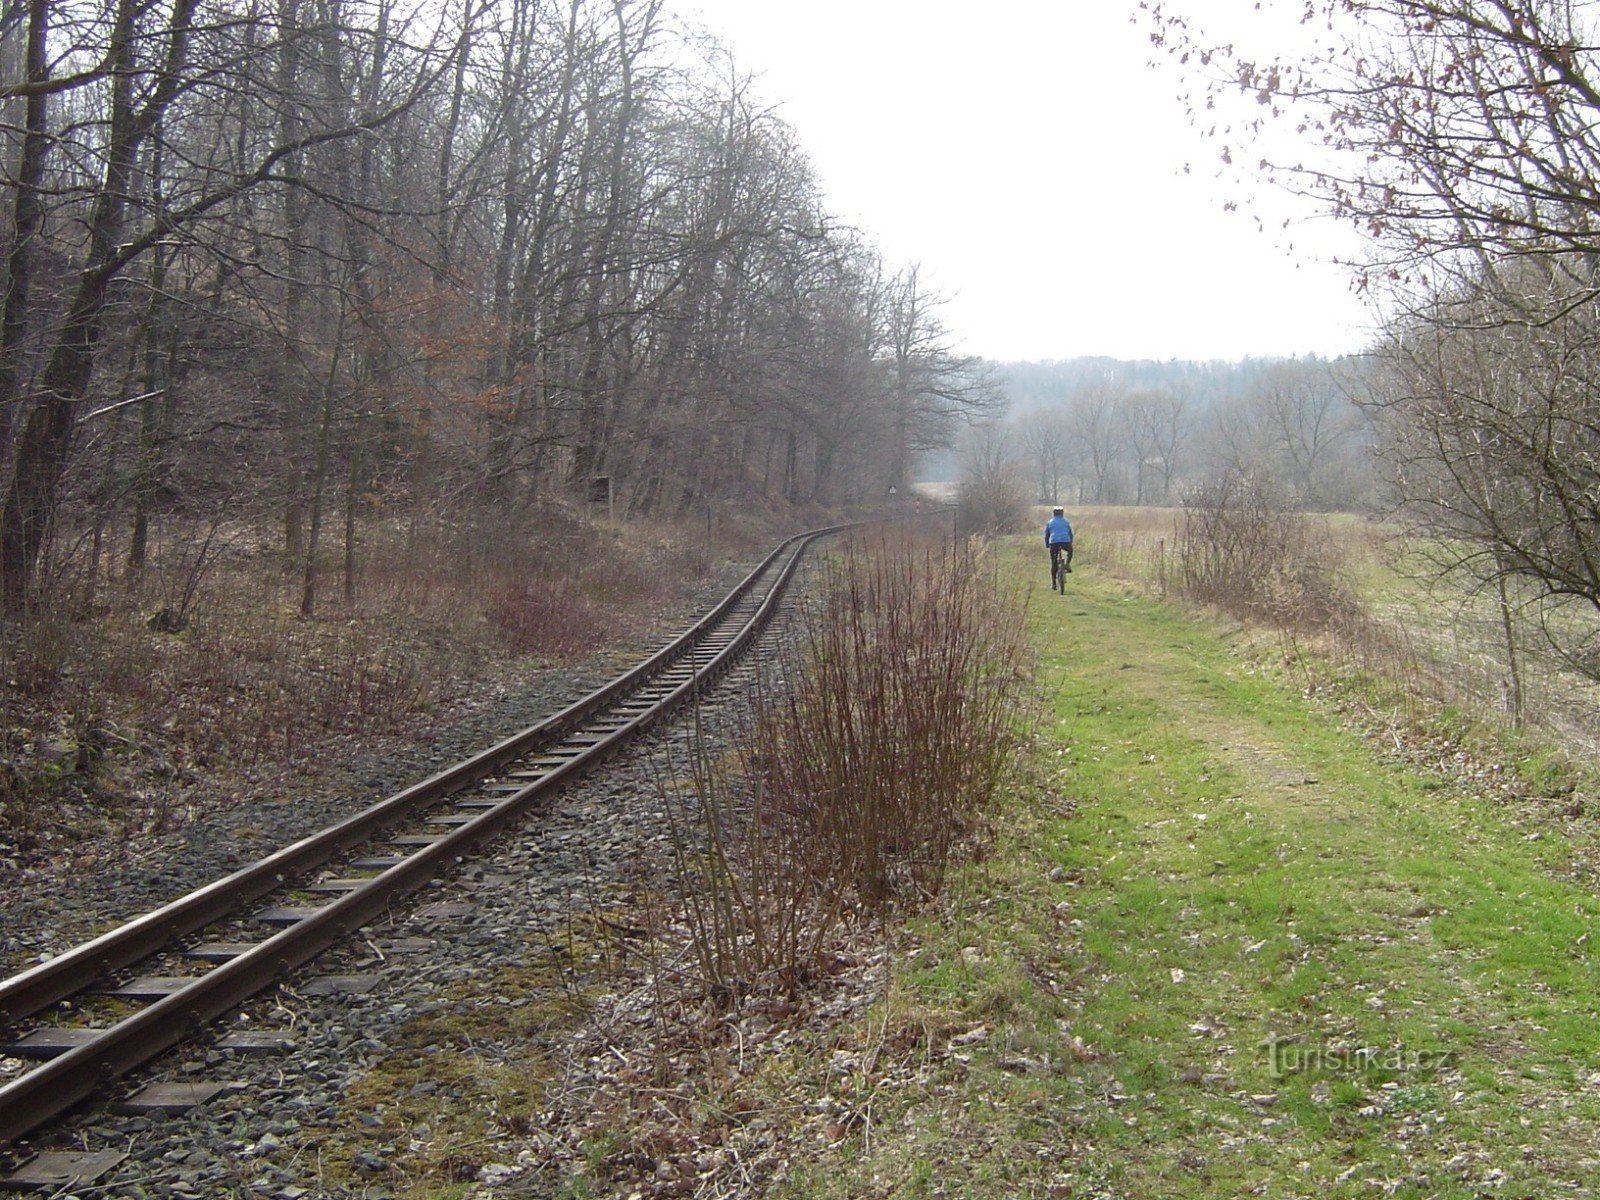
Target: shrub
[
  {"x": 992, "y": 505},
  {"x": 900, "y": 725},
  {"x": 1242, "y": 548},
  {"x": 858, "y": 785}
]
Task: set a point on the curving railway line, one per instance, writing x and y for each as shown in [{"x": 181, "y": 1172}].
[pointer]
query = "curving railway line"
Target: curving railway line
[{"x": 189, "y": 962}]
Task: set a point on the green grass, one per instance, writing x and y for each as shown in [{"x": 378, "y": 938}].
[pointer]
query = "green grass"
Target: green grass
[{"x": 1224, "y": 946}]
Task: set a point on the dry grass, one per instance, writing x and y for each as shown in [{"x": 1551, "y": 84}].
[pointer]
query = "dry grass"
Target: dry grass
[
  {"x": 135, "y": 705},
  {"x": 1134, "y": 542},
  {"x": 1445, "y": 642},
  {"x": 1423, "y": 645}
]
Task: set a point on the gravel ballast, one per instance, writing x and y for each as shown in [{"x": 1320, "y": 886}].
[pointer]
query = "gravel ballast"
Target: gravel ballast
[{"x": 263, "y": 1138}]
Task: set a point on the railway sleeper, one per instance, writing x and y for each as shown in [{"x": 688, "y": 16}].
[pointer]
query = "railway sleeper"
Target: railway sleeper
[
  {"x": 219, "y": 951},
  {"x": 54, "y": 1172},
  {"x": 45, "y": 1044},
  {"x": 686, "y": 673}
]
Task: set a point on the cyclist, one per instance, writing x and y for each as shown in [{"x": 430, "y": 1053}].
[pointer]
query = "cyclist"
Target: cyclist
[{"x": 1058, "y": 537}]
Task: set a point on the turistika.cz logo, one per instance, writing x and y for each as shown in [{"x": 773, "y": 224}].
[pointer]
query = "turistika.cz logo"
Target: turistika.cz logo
[{"x": 1288, "y": 1056}]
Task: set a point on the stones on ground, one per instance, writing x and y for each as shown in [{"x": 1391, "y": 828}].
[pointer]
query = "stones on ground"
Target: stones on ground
[{"x": 521, "y": 893}]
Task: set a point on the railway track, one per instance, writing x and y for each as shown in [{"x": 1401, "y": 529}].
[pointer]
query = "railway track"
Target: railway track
[{"x": 356, "y": 870}]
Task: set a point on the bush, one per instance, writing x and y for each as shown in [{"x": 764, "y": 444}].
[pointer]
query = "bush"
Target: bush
[
  {"x": 1243, "y": 549},
  {"x": 901, "y": 723},
  {"x": 993, "y": 505},
  {"x": 859, "y": 784}
]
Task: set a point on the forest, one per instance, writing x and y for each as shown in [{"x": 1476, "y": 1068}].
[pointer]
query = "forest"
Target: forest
[
  {"x": 1100, "y": 431},
  {"x": 299, "y": 264},
  {"x": 310, "y": 265}
]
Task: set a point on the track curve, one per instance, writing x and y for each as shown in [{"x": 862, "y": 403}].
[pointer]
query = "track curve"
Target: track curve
[{"x": 488, "y": 791}]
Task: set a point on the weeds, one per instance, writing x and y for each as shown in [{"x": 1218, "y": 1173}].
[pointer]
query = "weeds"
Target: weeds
[{"x": 854, "y": 789}]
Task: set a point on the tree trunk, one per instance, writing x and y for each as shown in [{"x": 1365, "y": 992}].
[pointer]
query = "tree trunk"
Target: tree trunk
[
  {"x": 157, "y": 354},
  {"x": 27, "y": 220},
  {"x": 295, "y": 411},
  {"x": 319, "y": 483},
  {"x": 352, "y": 498}
]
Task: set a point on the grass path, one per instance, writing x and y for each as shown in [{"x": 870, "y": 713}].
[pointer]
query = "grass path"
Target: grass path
[{"x": 1224, "y": 948}]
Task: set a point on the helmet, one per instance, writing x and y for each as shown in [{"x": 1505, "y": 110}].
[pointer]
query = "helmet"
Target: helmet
[{"x": 1057, "y": 510}]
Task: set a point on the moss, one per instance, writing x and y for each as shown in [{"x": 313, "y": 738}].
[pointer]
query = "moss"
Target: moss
[{"x": 462, "y": 1080}]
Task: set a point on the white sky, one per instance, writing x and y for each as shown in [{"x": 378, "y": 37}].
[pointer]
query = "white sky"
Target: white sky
[{"x": 1029, "y": 157}]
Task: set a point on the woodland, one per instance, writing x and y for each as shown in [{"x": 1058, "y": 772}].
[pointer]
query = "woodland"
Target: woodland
[{"x": 299, "y": 265}]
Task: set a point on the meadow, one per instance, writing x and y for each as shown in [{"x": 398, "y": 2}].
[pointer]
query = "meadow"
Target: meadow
[{"x": 1241, "y": 930}]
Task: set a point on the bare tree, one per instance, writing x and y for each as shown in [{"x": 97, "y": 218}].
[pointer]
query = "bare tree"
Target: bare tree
[
  {"x": 27, "y": 207},
  {"x": 470, "y": 253},
  {"x": 148, "y": 70},
  {"x": 993, "y": 497},
  {"x": 1309, "y": 419},
  {"x": 1458, "y": 135},
  {"x": 1463, "y": 138},
  {"x": 1046, "y": 436},
  {"x": 1493, "y": 447},
  {"x": 1156, "y": 423},
  {"x": 1099, "y": 428}
]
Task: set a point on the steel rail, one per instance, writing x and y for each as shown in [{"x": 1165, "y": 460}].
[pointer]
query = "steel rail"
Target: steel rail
[
  {"x": 45, "y": 1092},
  {"x": 73, "y": 970}
]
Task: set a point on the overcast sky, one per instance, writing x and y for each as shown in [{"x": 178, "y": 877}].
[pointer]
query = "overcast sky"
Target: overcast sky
[{"x": 1028, "y": 156}]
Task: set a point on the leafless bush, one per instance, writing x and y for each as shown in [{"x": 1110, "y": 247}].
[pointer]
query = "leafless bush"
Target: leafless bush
[
  {"x": 753, "y": 912},
  {"x": 181, "y": 574},
  {"x": 855, "y": 788},
  {"x": 1242, "y": 548},
  {"x": 992, "y": 506},
  {"x": 901, "y": 723},
  {"x": 51, "y": 724},
  {"x": 561, "y": 605}
]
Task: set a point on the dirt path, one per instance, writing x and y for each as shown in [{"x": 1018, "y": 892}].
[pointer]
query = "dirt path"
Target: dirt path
[
  {"x": 1305, "y": 971},
  {"x": 1224, "y": 947}
]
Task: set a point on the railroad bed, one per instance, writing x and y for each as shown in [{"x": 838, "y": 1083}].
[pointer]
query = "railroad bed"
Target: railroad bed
[{"x": 280, "y": 1060}]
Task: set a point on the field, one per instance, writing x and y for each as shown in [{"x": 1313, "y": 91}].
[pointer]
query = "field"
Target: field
[
  {"x": 1244, "y": 930},
  {"x": 1430, "y": 642}
]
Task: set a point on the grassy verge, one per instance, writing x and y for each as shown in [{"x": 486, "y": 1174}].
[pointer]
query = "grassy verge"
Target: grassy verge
[{"x": 1226, "y": 947}]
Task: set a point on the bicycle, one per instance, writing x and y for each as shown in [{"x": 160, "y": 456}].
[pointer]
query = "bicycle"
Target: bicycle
[{"x": 1060, "y": 567}]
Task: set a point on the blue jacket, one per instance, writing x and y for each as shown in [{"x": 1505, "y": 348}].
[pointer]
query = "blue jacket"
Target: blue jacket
[{"x": 1057, "y": 531}]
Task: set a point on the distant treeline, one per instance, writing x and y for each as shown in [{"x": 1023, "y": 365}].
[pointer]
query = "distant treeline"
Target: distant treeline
[{"x": 1103, "y": 431}]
